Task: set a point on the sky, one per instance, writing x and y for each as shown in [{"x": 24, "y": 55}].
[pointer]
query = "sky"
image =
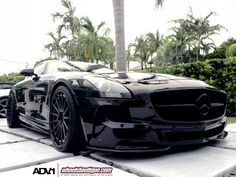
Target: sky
[{"x": 25, "y": 23}]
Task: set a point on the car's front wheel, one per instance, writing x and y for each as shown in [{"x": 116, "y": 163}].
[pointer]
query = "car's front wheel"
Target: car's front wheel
[
  {"x": 65, "y": 124},
  {"x": 13, "y": 120}
]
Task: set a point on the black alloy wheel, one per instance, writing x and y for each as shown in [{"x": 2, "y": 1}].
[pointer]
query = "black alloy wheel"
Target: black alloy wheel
[
  {"x": 3, "y": 107},
  {"x": 13, "y": 120},
  {"x": 65, "y": 124}
]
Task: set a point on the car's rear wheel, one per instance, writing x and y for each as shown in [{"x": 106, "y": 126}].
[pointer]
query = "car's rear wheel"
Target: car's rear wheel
[
  {"x": 65, "y": 124},
  {"x": 13, "y": 120},
  {"x": 3, "y": 107}
]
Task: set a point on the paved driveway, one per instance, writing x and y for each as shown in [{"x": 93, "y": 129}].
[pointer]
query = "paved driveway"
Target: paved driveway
[{"x": 24, "y": 152}]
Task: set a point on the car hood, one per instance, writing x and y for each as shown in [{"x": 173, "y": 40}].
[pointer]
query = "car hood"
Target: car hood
[
  {"x": 140, "y": 83},
  {"x": 149, "y": 82},
  {"x": 4, "y": 92}
]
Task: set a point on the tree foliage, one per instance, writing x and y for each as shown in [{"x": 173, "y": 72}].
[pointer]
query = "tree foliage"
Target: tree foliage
[
  {"x": 11, "y": 77},
  {"x": 145, "y": 48},
  {"x": 190, "y": 40},
  {"x": 197, "y": 32},
  {"x": 78, "y": 39},
  {"x": 231, "y": 50}
]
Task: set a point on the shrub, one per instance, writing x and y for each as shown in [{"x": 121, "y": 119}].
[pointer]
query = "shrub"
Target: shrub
[{"x": 11, "y": 77}]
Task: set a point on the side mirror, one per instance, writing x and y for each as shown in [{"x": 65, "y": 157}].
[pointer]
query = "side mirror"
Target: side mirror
[{"x": 27, "y": 72}]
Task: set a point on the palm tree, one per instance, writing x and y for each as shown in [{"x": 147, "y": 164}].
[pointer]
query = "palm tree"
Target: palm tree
[
  {"x": 129, "y": 55},
  {"x": 154, "y": 40},
  {"x": 180, "y": 43},
  {"x": 142, "y": 51},
  {"x": 118, "y": 9},
  {"x": 159, "y": 3},
  {"x": 198, "y": 30},
  {"x": 69, "y": 21},
  {"x": 56, "y": 46},
  {"x": 96, "y": 40}
]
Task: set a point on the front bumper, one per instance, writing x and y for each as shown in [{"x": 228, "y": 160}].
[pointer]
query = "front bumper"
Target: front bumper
[
  {"x": 115, "y": 128},
  {"x": 134, "y": 137}
]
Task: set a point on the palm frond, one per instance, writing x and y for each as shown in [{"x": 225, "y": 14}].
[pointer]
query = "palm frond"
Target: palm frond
[
  {"x": 100, "y": 25},
  {"x": 159, "y": 3},
  {"x": 56, "y": 15},
  {"x": 66, "y": 4}
]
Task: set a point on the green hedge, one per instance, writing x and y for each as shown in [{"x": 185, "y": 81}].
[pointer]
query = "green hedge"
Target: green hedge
[
  {"x": 220, "y": 73},
  {"x": 11, "y": 77}
]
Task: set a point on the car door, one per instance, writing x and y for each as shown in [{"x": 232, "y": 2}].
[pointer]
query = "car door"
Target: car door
[{"x": 31, "y": 96}]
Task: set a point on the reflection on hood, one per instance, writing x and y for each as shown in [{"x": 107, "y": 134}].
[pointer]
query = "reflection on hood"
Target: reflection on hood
[{"x": 144, "y": 78}]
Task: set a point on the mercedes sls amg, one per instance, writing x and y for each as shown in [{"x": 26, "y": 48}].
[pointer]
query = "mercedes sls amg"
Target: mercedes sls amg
[{"x": 84, "y": 105}]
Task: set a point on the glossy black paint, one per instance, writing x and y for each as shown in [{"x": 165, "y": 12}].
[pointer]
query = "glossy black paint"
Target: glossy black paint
[{"x": 127, "y": 124}]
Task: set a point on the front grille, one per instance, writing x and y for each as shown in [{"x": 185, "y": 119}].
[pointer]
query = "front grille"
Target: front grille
[{"x": 189, "y": 104}]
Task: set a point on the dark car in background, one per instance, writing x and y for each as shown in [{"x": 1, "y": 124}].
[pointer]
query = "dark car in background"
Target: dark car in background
[
  {"x": 89, "y": 105},
  {"x": 5, "y": 88}
]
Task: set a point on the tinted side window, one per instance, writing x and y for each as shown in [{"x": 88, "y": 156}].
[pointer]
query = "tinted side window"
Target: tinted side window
[{"x": 40, "y": 69}]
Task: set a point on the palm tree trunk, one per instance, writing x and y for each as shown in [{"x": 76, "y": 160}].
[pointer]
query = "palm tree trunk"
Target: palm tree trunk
[
  {"x": 118, "y": 8},
  {"x": 141, "y": 65}
]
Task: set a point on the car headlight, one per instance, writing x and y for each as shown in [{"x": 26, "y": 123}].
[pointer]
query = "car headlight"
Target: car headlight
[{"x": 109, "y": 88}]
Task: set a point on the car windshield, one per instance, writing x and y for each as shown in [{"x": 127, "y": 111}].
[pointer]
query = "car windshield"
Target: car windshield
[
  {"x": 6, "y": 85},
  {"x": 69, "y": 66},
  {"x": 91, "y": 67},
  {"x": 60, "y": 66}
]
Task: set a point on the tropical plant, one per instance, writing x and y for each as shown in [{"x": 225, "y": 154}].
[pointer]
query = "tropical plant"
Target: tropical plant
[
  {"x": 166, "y": 52},
  {"x": 107, "y": 55},
  {"x": 55, "y": 48},
  {"x": 154, "y": 41},
  {"x": 129, "y": 55},
  {"x": 231, "y": 51},
  {"x": 68, "y": 19},
  {"x": 78, "y": 39},
  {"x": 141, "y": 51},
  {"x": 199, "y": 32},
  {"x": 11, "y": 77},
  {"x": 159, "y": 3},
  {"x": 96, "y": 39},
  {"x": 180, "y": 41},
  {"x": 227, "y": 43},
  {"x": 220, "y": 52}
]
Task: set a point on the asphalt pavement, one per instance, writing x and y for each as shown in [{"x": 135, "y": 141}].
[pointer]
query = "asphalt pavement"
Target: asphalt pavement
[{"x": 26, "y": 153}]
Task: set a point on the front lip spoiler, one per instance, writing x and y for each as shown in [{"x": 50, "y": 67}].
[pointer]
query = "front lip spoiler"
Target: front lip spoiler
[
  {"x": 133, "y": 149},
  {"x": 158, "y": 147}
]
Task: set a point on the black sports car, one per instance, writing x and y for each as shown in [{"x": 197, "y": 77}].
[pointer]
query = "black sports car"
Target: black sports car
[{"x": 88, "y": 105}]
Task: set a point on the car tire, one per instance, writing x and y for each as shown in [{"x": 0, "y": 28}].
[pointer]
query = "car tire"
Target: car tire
[
  {"x": 3, "y": 107},
  {"x": 13, "y": 120},
  {"x": 64, "y": 122}
]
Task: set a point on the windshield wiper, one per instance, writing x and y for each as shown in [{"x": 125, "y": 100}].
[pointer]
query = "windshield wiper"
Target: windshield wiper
[
  {"x": 70, "y": 64},
  {"x": 94, "y": 67}
]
